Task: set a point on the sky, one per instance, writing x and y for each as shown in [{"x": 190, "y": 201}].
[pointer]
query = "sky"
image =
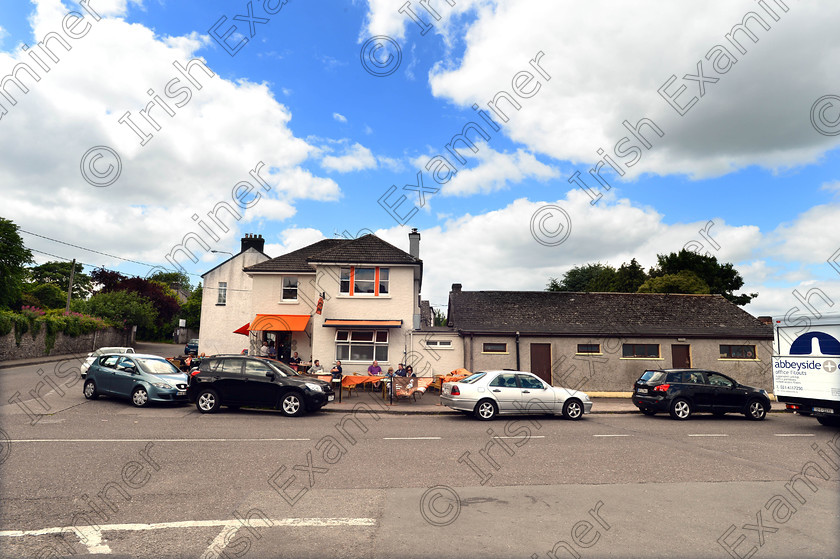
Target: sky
[{"x": 520, "y": 137}]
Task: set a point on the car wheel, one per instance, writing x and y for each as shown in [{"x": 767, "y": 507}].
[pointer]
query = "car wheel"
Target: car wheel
[
  {"x": 292, "y": 404},
  {"x": 90, "y": 390},
  {"x": 647, "y": 411},
  {"x": 207, "y": 401},
  {"x": 680, "y": 409},
  {"x": 573, "y": 409},
  {"x": 486, "y": 410},
  {"x": 139, "y": 397},
  {"x": 828, "y": 421},
  {"x": 756, "y": 410}
]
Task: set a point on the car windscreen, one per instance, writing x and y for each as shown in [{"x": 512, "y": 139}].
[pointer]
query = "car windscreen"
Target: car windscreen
[
  {"x": 653, "y": 376},
  {"x": 157, "y": 366},
  {"x": 472, "y": 378},
  {"x": 284, "y": 369}
]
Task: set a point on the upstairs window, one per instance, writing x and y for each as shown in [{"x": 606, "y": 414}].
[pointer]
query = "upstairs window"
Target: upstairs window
[
  {"x": 222, "y": 297},
  {"x": 364, "y": 281},
  {"x": 290, "y": 288}
]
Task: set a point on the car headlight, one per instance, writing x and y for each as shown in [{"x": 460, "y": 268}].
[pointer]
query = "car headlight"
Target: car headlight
[
  {"x": 314, "y": 387},
  {"x": 163, "y": 385}
]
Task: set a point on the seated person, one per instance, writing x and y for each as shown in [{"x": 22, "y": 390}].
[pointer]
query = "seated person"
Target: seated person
[
  {"x": 409, "y": 371},
  {"x": 400, "y": 370},
  {"x": 375, "y": 370},
  {"x": 316, "y": 368},
  {"x": 336, "y": 371},
  {"x": 272, "y": 352}
]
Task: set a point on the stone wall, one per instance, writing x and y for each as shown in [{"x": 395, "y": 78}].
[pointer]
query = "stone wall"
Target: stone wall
[{"x": 64, "y": 344}]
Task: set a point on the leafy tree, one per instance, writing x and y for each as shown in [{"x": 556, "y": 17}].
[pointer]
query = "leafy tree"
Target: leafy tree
[
  {"x": 191, "y": 310},
  {"x": 685, "y": 281},
  {"x": 438, "y": 317},
  {"x": 14, "y": 257},
  {"x": 58, "y": 274},
  {"x": 119, "y": 306},
  {"x": 107, "y": 279},
  {"x": 629, "y": 277},
  {"x": 170, "y": 278},
  {"x": 49, "y": 295},
  {"x": 590, "y": 277},
  {"x": 163, "y": 299},
  {"x": 722, "y": 279}
]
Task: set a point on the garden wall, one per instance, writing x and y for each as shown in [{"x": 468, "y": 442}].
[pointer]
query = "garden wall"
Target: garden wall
[{"x": 64, "y": 344}]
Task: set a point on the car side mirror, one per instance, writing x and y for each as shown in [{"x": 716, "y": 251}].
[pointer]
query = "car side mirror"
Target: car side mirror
[{"x": 270, "y": 375}]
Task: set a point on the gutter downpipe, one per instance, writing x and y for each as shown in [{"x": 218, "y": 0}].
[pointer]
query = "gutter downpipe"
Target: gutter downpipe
[{"x": 517, "y": 351}]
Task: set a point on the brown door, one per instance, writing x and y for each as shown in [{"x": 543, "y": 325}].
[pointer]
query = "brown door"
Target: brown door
[
  {"x": 541, "y": 361},
  {"x": 680, "y": 357}
]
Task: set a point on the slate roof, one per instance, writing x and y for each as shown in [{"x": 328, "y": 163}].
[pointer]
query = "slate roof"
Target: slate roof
[
  {"x": 368, "y": 249},
  {"x": 600, "y": 314},
  {"x": 425, "y": 315}
]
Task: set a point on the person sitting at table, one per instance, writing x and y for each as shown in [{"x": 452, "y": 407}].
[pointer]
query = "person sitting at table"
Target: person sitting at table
[
  {"x": 386, "y": 380},
  {"x": 264, "y": 349},
  {"x": 400, "y": 370},
  {"x": 375, "y": 370},
  {"x": 316, "y": 368},
  {"x": 409, "y": 371},
  {"x": 294, "y": 361},
  {"x": 272, "y": 352},
  {"x": 336, "y": 371}
]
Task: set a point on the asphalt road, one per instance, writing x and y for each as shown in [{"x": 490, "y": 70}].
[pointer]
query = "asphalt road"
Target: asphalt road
[{"x": 170, "y": 482}]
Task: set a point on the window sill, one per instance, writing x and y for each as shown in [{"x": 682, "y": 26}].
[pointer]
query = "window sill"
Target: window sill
[
  {"x": 221, "y": 304},
  {"x": 643, "y": 358},
  {"x": 596, "y": 354},
  {"x": 365, "y": 296},
  {"x": 288, "y": 302},
  {"x": 495, "y": 353},
  {"x": 737, "y": 359},
  {"x": 430, "y": 347}
]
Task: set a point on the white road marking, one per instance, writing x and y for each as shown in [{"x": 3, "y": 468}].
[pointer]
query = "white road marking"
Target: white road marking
[
  {"x": 411, "y": 438},
  {"x": 793, "y": 434},
  {"x": 92, "y": 537},
  {"x": 610, "y": 435},
  {"x": 529, "y": 437},
  {"x": 709, "y": 435},
  {"x": 147, "y": 440}
]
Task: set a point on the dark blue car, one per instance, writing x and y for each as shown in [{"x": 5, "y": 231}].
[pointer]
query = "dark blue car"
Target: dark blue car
[{"x": 192, "y": 347}]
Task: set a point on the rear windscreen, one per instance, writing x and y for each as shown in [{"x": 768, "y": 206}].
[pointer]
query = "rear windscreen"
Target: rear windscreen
[{"x": 653, "y": 376}]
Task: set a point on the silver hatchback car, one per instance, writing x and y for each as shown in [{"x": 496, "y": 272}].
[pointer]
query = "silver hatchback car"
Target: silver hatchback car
[
  {"x": 490, "y": 393},
  {"x": 139, "y": 377}
]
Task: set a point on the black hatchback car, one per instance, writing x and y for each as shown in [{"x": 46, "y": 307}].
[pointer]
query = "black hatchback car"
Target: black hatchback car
[
  {"x": 682, "y": 392},
  {"x": 239, "y": 380}
]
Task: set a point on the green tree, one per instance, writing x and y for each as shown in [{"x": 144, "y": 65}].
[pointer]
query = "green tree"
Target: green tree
[
  {"x": 14, "y": 257},
  {"x": 685, "y": 281},
  {"x": 629, "y": 277},
  {"x": 119, "y": 306},
  {"x": 722, "y": 279},
  {"x": 438, "y": 317},
  {"x": 590, "y": 277},
  {"x": 180, "y": 279},
  {"x": 191, "y": 310},
  {"x": 58, "y": 274},
  {"x": 49, "y": 296}
]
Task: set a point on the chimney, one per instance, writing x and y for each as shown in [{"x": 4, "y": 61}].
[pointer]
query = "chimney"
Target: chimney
[
  {"x": 456, "y": 288},
  {"x": 252, "y": 241},
  {"x": 414, "y": 243},
  {"x": 766, "y": 320}
]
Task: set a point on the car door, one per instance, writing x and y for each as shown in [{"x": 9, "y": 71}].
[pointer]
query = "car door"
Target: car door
[
  {"x": 506, "y": 391},
  {"x": 103, "y": 373},
  {"x": 536, "y": 396},
  {"x": 259, "y": 389},
  {"x": 225, "y": 377},
  {"x": 727, "y": 397},
  {"x": 696, "y": 386},
  {"x": 124, "y": 377}
]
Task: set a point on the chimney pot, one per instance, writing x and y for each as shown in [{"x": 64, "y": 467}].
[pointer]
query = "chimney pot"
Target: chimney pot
[
  {"x": 456, "y": 287},
  {"x": 414, "y": 243},
  {"x": 250, "y": 240}
]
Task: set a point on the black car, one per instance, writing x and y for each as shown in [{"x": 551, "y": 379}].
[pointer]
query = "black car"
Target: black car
[
  {"x": 239, "y": 380},
  {"x": 682, "y": 392}
]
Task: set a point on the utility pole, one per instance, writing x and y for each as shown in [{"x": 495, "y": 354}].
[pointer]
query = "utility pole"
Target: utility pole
[{"x": 70, "y": 287}]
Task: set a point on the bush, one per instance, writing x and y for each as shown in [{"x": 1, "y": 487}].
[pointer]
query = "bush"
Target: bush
[{"x": 30, "y": 319}]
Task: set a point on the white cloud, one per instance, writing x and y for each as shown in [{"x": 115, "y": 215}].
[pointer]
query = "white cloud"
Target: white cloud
[
  {"x": 606, "y": 61},
  {"x": 339, "y": 117},
  {"x": 188, "y": 167},
  {"x": 292, "y": 239},
  {"x": 811, "y": 238},
  {"x": 355, "y": 158}
]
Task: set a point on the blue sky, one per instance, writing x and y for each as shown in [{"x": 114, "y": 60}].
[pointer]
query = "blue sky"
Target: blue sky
[{"x": 334, "y": 137}]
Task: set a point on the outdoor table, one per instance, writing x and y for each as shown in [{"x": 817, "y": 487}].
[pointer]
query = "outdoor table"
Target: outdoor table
[{"x": 351, "y": 381}]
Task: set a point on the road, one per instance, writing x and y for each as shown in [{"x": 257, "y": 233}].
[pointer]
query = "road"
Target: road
[{"x": 169, "y": 482}]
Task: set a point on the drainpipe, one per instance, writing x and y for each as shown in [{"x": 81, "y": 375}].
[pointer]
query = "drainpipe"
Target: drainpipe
[{"x": 517, "y": 352}]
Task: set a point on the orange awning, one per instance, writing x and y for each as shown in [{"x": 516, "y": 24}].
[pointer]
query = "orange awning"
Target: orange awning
[
  {"x": 280, "y": 322},
  {"x": 243, "y": 329},
  {"x": 346, "y": 323}
]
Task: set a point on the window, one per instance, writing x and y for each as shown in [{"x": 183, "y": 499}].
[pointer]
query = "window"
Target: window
[
  {"x": 589, "y": 348},
  {"x": 506, "y": 380},
  {"x": 716, "y": 379},
  {"x": 256, "y": 369},
  {"x": 364, "y": 281},
  {"x": 640, "y": 351},
  {"x": 737, "y": 352},
  {"x": 361, "y": 345},
  {"x": 494, "y": 348},
  {"x": 290, "y": 288},
  {"x": 109, "y": 361},
  {"x": 222, "y": 298},
  {"x": 527, "y": 381},
  {"x": 441, "y": 344},
  {"x": 230, "y": 367}
]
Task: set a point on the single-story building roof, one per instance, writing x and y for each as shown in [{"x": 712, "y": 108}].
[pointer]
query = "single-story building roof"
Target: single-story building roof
[{"x": 563, "y": 313}]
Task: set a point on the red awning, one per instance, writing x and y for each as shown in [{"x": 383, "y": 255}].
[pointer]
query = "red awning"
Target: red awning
[
  {"x": 243, "y": 329},
  {"x": 280, "y": 322},
  {"x": 346, "y": 323}
]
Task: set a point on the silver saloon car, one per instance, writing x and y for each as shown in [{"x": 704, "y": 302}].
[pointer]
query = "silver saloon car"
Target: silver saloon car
[{"x": 491, "y": 393}]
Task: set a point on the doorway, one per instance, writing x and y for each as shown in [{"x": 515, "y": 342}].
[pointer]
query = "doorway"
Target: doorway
[
  {"x": 680, "y": 356},
  {"x": 541, "y": 361}
]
